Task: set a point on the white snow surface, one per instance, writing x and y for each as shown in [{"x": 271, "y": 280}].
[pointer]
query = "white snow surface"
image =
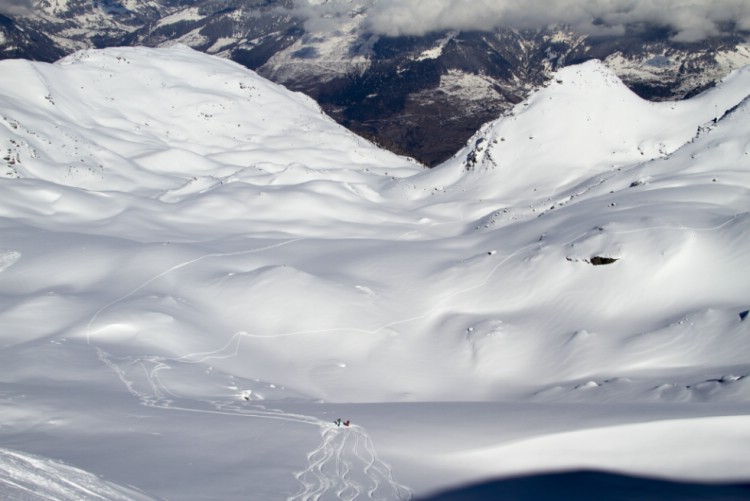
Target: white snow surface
[
  {"x": 200, "y": 272},
  {"x": 189, "y": 14},
  {"x": 32, "y": 478}
]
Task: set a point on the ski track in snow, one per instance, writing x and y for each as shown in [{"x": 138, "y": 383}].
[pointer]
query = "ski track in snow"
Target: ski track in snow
[
  {"x": 25, "y": 477},
  {"x": 232, "y": 347},
  {"x": 175, "y": 268},
  {"x": 345, "y": 465}
]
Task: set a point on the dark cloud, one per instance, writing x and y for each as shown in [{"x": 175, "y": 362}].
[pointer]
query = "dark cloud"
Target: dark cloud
[
  {"x": 691, "y": 20},
  {"x": 15, "y": 7}
]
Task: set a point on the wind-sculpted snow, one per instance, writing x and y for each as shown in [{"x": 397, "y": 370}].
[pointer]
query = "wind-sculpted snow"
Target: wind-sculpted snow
[
  {"x": 585, "y": 124},
  {"x": 200, "y": 273},
  {"x": 31, "y": 478},
  {"x": 219, "y": 121}
]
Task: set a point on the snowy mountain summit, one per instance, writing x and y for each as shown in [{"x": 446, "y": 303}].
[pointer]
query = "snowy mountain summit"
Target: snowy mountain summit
[
  {"x": 586, "y": 122},
  {"x": 200, "y": 273},
  {"x": 400, "y": 72},
  {"x": 161, "y": 111}
]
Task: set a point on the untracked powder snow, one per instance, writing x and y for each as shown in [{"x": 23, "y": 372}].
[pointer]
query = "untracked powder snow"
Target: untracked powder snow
[{"x": 200, "y": 273}]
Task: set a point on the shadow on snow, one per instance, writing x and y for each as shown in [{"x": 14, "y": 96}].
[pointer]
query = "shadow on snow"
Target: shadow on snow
[{"x": 594, "y": 486}]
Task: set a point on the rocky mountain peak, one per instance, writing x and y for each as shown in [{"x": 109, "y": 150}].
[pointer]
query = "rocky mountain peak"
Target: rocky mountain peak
[{"x": 423, "y": 95}]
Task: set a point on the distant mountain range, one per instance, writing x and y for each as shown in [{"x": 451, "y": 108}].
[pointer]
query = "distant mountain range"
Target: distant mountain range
[
  {"x": 200, "y": 271},
  {"x": 422, "y": 96}
]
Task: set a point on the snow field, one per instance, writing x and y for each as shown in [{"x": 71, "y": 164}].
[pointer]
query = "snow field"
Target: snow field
[{"x": 201, "y": 271}]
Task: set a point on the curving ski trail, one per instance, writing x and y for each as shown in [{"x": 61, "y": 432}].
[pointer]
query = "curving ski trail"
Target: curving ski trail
[
  {"x": 345, "y": 464},
  {"x": 346, "y": 467}
]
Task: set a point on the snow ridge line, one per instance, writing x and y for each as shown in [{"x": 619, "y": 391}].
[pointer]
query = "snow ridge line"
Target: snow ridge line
[
  {"x": 236, "y": 338},
  {"x": 226, "y": 352},
  {"x": 175, "y": 268}
]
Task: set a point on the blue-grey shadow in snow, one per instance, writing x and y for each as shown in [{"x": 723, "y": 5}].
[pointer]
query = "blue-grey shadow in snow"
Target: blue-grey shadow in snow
[{"x": 593, "y": 486}]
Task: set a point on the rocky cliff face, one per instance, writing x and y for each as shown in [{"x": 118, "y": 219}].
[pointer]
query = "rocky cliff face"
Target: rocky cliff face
[
  {"x": 422, "y": 96},
  {"x": 426, "y": 96}
]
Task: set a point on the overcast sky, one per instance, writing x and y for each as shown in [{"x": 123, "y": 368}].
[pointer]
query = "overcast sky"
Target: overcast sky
[
  {"x": 13, "y": 7},
  {"x": 692, "y": 20}
]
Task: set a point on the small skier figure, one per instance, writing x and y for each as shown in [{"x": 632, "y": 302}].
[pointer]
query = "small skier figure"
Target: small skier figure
[
  {"x": 347, "y": 423},
  {"x": 338, "y": 422}
]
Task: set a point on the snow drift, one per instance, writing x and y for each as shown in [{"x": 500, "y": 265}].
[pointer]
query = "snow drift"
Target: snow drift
[{"x": 201, "y": 271}]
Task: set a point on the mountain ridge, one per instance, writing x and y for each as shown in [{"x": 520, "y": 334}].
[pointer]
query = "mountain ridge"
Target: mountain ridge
[
  {"x": 423, "y": 96},
  {"x": 211, "y": 282}
]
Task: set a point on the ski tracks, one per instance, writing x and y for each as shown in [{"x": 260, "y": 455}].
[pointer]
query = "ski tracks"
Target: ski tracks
[{"x": 346, "y": 467}]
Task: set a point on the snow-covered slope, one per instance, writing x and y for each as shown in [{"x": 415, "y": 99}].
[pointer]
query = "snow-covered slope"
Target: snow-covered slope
[
  {"x": 199, "y": 272},
  {"x": 583, "y": 124},
  {"x": 218, "y": 117},
  {"x": 425, "y": 95},
  {"x": 32, "y": 478}
]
